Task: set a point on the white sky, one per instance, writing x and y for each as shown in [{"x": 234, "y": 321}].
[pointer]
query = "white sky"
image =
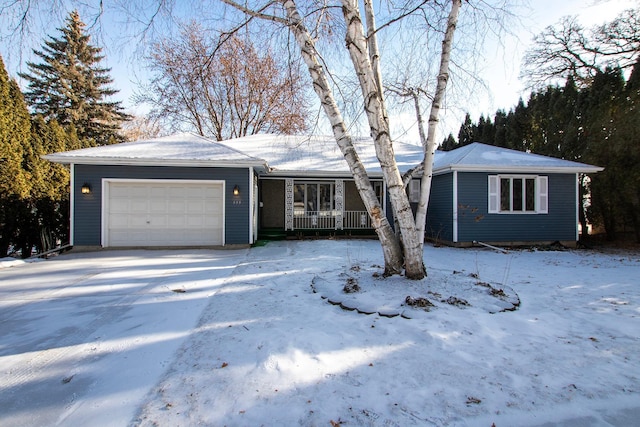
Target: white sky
[{"x": 501, "y": 63}]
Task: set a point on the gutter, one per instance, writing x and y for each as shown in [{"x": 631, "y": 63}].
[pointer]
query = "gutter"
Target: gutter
[
  {"x": 519, "y": 169},
  {"x": 116, "y": 161}
]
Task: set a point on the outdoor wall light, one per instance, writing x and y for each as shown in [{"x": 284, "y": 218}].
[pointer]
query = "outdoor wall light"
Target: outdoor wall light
[
  {"x": 86, "y": 188},
  {"x": 236, "y": 191}
]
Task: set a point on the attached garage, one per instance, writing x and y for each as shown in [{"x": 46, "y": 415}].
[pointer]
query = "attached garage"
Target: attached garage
[
  {"x": 163, "y": 213},
  {"x": 175, "y": 191}
]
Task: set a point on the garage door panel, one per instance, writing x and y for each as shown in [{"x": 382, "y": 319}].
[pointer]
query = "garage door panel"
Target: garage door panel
[
  {"x": 158, "y": 205},
  {"x": 195, "y": 221},
  {"x": 213, "y": 222},
  {"x": 119, "y": 205},
  {"x": 138, "y": 191},
  {"x": 157, "y": 221},
  {"x": 158, "y": 192},
  {"x": 175, "y": 221},
  {"x": 213, "y": 192},
  {"x": 118, "y": 221},
  {"x": 138, "y": 206},
  {"x": 194, "y": 192},
  {"x": 164, "y": 214},
  {"x": 175, "y": 206},
  {"x": 194, "y": 207}
]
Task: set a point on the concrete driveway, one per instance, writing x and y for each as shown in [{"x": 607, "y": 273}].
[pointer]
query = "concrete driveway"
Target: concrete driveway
[{"x": 85, "y": 336}]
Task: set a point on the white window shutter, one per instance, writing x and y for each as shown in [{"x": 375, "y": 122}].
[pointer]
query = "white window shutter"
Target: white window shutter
[
  {"x": 543, "y": 194},
  {"x": 494, "y": 194},
  {"x": 414, "y": 191}
]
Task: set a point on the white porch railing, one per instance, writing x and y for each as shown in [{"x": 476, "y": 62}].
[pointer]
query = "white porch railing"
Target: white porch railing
[
  {"x": 356, "y": 219},
  {"x": 327, "y": 220}
]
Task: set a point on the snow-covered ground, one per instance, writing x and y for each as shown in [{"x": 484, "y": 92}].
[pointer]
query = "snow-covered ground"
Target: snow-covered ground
[{"x": 259, "y": 337}]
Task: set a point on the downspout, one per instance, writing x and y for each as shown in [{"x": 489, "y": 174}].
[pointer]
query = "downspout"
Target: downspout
[{"x": 252, "y": 210}]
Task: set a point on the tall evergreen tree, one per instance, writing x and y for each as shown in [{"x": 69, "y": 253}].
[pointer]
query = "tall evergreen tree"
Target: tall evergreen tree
[
  {"x": 500, "y": 127},
  {"x": 629, "y": 152},
  {"x": 518, "y": 127},
  {"x": 15, "y": 181},
  {"x": 465, "y": 134},
  {"x": 50, "y": 194},
  {"x": 71, "y": 86},
  {"x": 449, "y": 143},
  {"x": 605, "y": 144}
]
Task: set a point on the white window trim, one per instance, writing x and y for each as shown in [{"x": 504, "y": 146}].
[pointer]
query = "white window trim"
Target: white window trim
[
  {"x": 541, "y": 197},
  {"x": 414, "y": 191}
]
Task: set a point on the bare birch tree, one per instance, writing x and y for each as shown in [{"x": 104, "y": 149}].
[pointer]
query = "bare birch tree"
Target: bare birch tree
[
  {"x": 363, "y": 51},
  {"x": 402, "y": 251}
]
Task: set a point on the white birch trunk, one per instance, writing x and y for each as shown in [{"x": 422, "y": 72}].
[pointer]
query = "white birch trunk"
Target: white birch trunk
[
  {"x": 390, "y": 246},
  {"x": 430, "y": 143},
  {"x": 376, "y": 116}
]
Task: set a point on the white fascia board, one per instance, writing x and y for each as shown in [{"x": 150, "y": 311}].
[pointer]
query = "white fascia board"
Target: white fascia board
[
  {"x": 316, "y": 174},
  {"x": 106, "y": 161},
  {"x": 520, "y": 169}
]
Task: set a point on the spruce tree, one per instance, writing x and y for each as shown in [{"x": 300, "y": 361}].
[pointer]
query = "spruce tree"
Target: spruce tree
[
  {"x": 603, "y": 143},
  {"x": 500, "y": 124},
  {"x": 449, "y": 143},
  {"x": 465, "y": 134},
  {"x": 71, "y": 86}
]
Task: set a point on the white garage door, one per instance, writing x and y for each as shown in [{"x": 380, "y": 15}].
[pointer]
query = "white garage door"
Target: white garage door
[{"x": 163, "y": 213}]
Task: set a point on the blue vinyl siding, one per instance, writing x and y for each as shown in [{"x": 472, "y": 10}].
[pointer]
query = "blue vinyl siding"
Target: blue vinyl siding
[
  {"x": 87, "y": 209},
  {"x": 475, "y": 223},
  {"x": 440, "y": 212}
]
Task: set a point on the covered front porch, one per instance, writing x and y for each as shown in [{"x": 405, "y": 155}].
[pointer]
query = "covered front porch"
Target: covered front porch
[{"x": 320, "y": 206}]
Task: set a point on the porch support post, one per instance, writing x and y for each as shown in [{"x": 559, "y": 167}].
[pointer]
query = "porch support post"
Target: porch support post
[
  {"x": 339, "y": 186},
  {"x": 455, "y": 207},
  {"x": 288, "y": 204}
]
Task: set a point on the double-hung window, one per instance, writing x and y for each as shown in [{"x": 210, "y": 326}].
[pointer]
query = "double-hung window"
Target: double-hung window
[{"x": 515, "y": 194}]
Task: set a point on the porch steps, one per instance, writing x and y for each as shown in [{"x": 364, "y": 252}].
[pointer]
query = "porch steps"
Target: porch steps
[
  {"x": 280, "y": 234},
  {"x": 272, "y": 234}
]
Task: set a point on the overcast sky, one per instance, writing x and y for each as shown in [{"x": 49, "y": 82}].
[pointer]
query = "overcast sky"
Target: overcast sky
[{"x": 500, "y": 68}]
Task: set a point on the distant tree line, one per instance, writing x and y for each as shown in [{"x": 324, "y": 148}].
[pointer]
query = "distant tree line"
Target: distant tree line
[
  {"x": 65, "y": 107},
  {"x": 598, "y": 123},
  {"x": 591, "y": 114}
]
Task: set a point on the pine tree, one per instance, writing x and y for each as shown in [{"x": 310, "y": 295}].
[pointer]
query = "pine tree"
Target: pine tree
[
  {"x": 70, "y": 86},
  {"x": 604, "y": 145},
  {"x": 627, "y": 150},
  {"x": 518, "y": 128},
  {"x": 50, "y": 195},
  {"x": 449, "y": 143},
  {"x": 15, "y": 181},
  {"x": 465, "y": 134},
  {"x": 500, "y": 125}
]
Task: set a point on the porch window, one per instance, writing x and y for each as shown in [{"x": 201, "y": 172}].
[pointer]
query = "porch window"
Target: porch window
[
  {"x": 518, "y": 194},
  {"x": 313, "y": 197},
  {"x": 378, "y": 187},
  {"x": 321, "y": 205}
]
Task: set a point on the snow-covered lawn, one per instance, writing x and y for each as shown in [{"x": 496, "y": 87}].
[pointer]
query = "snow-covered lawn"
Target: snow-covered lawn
[{"x": 258, "y": 337}]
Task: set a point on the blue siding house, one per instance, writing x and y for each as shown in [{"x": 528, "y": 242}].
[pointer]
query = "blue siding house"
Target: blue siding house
[
  {"x": 188, "y": 191},
  {"x": 482, "y": 193},
  {"x": 177, "y": 191}
]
